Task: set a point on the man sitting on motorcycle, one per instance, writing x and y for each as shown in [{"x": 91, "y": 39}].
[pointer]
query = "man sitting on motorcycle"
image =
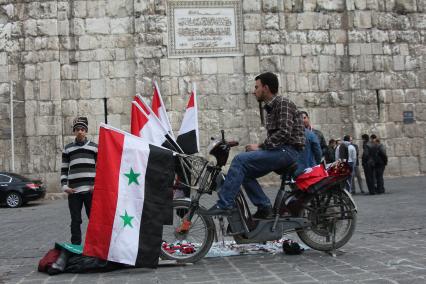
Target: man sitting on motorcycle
[{"x": 285, "y": 138}]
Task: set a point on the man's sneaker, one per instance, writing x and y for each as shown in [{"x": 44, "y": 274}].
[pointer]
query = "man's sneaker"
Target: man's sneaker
[
  {"x": 216, "y": 210},
  {"x": 263, "y": 213}
]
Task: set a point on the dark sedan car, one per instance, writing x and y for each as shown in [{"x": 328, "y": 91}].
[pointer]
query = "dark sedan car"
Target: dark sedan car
[{"x": 16, "y": 190}]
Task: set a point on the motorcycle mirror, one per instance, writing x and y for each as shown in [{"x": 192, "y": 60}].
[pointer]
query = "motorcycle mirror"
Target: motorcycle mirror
[{"x": 223, "y": 135}]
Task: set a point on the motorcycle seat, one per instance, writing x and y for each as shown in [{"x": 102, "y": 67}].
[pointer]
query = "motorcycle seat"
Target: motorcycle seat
[{"x": 288, "y": 170}]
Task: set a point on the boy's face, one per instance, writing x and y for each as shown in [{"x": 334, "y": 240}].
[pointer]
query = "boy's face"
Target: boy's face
[{"x": 80, "y": 133}]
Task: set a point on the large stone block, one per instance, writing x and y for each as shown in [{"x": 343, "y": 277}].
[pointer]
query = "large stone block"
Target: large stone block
[
  {"x": 227, "y": 65},
  {"x": 270, "y": 63},
  {"x": 121, "y": 25},
  {"x": 252, "y": 64},
  {"x": 331, "y": 5},
  {"x": 69, "y": 108},
  {"x": 189, "y": 66},
  {"x": 98, "y": 26},
  {"x": 410, "y": 166},
  {"x": 405, "y": 6},
  {"x": 230, "y": 84},
  {"x": 318, "y": 36},
  {"x": 49, "y": 108},
  {"x": 48, "y": 125},
  {"x": 209, "y": 66},
  {"x": 291, "y": 64},
  {"x": 92, "y": 107},
  {"x": 97, "y": 89},
  {"x": 422, "y": 165},
  {"x": 124, "y": 69},
  {"x": 327, "y": 64},
  {"x": 48, "y": 27},
  {"x": 252, "y": 22},
  {"x": 270, "y": 36},
  {"x": 305, "y": 21},
  {"x": 118, "y": 8},
  {"x": 251, "y": 5},
  {"x": 394, "y": 167},
  {"x": 362, "y": 19},
  {"x": 271, "y": 21}
]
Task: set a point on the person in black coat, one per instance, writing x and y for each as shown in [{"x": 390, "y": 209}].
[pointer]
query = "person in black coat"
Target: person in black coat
[
  {"x": 381, "y": 162},
  {"x": 368, "y": 162}
]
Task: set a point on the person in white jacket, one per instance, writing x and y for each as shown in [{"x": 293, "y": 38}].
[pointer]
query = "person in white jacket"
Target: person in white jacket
[{"x": 346, "y": 152}]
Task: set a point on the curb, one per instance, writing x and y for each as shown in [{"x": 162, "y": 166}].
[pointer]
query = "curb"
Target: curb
[{"x": 55, "y": 196}]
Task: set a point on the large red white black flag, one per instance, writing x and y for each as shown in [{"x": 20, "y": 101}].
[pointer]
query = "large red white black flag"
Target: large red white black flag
[{"x": 131, "y": 199}]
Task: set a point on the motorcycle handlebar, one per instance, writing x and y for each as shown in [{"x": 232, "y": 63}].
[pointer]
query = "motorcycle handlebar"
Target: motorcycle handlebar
[{"x": 232, "y": 143}]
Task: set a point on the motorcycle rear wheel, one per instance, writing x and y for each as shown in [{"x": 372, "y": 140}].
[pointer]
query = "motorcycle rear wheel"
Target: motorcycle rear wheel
[
  {"x": 329, "y": 212},
  {"x": 190, "y": 245}
]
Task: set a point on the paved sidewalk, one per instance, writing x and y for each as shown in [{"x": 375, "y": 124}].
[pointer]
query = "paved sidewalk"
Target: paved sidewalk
[{"x": 389, "y": 246}]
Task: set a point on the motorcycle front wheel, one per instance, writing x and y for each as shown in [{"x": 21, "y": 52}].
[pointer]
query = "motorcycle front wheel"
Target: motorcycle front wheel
[
  {"x": 187, "y": 240},
  {"x": 333, "y": 220}
]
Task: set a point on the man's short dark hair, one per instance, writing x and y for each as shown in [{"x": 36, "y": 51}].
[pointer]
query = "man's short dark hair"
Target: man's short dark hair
[
  {"x": 373, "y": 136},
  {"x": 365, "y": 137},
  {"x": 305, "y": 113},
  {"x": 331, "y": 141},
  {"x": 347, "y": 138},
  {"x": 269, "y": 79}
]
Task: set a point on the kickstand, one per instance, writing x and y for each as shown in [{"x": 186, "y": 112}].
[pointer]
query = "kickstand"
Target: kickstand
[{"x": 333, "y": 252}]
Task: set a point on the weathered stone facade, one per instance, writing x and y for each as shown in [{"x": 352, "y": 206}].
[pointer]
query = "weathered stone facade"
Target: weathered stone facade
[{"x": 354, "y": 65}]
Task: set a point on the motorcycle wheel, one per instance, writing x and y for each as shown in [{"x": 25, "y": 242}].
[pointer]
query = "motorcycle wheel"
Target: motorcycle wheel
[
  {"x": 331, "y": 211},
  {"x": 190, "y": 245}
]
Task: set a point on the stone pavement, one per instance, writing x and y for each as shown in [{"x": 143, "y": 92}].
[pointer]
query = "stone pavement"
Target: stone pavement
[{"x": 389, "y": 246}]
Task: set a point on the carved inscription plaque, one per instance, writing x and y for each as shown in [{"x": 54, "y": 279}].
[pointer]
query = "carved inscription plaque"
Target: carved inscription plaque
[{"x": 204, "y": 28}]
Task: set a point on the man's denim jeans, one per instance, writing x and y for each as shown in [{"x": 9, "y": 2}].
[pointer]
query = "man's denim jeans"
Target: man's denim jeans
[{"x": 248, "y": 166}]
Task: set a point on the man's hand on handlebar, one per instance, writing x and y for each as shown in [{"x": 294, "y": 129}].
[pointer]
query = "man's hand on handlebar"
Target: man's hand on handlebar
[{"x": 252, "y": 147}]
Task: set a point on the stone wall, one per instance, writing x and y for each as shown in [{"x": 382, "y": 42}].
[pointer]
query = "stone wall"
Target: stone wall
[{"x": 354, "y": 65}]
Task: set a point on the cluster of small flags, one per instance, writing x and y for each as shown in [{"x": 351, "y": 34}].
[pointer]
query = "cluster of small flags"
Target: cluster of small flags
[
  {"x": 152, "y": 123},
  {"x": 134, "y": 173}
]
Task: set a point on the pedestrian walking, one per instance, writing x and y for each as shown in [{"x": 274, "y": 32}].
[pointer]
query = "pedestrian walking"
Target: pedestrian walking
[
  {"x": 311, "y": 154},
  {"x": 78, "y": 175},
  {"x": 357, "y": 172},
  {"x": 330, "y": 153},
  {"x": 347, "y": 153},
  {"x": 368, "y": 161},
  {"x": 320, "y": 136},
  {"x": 381, "y": 163}
]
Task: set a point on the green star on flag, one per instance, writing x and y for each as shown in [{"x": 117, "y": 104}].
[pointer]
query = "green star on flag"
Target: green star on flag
[
  {"x": 127, "y": 219},
  {"x": 133, "y": 177}
]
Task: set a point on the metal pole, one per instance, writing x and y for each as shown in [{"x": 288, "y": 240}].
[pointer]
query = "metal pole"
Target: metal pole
[{"x": 12, "y": 141}]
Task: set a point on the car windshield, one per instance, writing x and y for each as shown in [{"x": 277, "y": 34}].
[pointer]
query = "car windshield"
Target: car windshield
[{"x": 19, "y": 177}]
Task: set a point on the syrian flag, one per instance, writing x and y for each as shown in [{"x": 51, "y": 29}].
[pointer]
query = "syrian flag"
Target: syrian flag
[
  {"x": 141, "y": 102},
  {"x": 188, "y": 134},
  {"x": 146, "y": 127},
  {"x": 159, "y": 109},
  {"x": 133, "y": 182}
]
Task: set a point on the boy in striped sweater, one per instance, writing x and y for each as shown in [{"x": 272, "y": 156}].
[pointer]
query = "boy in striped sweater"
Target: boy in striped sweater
[{"x": 78, "y": 175}]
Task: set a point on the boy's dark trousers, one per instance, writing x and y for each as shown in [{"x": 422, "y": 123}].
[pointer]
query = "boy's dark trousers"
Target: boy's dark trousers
[{"x": 75, "y": 204}]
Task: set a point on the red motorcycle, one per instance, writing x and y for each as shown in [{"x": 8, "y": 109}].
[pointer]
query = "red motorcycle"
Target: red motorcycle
[{"x": 319, "y": 209}]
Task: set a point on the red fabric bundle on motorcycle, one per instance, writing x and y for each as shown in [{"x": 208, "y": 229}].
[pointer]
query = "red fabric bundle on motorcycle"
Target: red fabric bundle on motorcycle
[
  {"x": 339, "y": 169},
  {"x": 311, "y": 176}
]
